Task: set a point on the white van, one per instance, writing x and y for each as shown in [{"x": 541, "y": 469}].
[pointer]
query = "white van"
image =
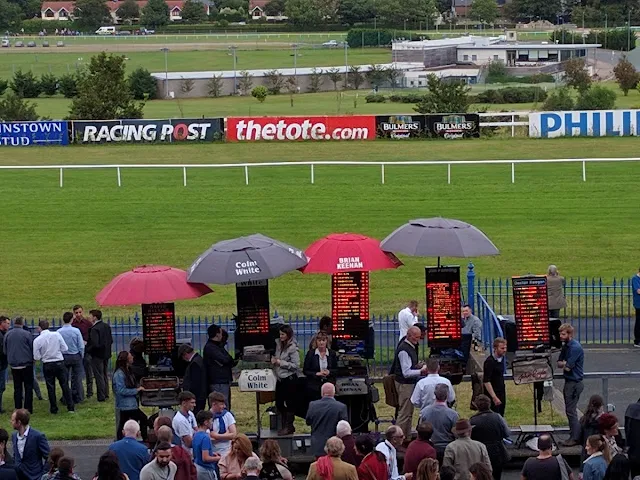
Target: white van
[{"x": 106, "y": 31}]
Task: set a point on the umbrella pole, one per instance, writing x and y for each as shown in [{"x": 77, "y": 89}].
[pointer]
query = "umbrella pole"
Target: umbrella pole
[{"x": 438, "y": 262}]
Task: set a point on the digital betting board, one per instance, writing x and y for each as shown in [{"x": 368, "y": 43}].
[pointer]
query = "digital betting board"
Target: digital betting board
[
  {"x": 350, "y": 306},
  {"x": 444, "y": 312},
  {"x": 158, "y": 328},
  {"x": 253, "y": 320},
  {"x": 531, "y": 311}
]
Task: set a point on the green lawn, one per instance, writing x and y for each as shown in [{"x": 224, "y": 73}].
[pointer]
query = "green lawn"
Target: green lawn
[
  {"x": 61, "y": 246},
  {"x": 59, "y": 63},
  {"x": 97, "y": 420}
]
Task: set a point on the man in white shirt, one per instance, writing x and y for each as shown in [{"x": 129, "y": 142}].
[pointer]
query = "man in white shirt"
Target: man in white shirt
[
  {"x": 407, "y": 318},
  {"x": 423, "y": 395},
  {"x": 49, "y": 347},
  {"x": 184, "y": 421},
  {"x": 393, "y": 439},
  {"x": 223, "y": 425}
]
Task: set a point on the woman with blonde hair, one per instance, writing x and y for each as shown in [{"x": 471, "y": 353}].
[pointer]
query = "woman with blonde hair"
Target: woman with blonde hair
[
  {"x": 273, "y": 465},
  {"x": 331, "y": 466},
  {"x": 232, "y": 463},
  {"x": 428, "y": 469},
  {"x": 599, "y": 458}
]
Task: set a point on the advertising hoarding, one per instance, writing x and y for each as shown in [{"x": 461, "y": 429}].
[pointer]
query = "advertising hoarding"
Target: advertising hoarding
[
  {"x": 301, "y": 128},
  {"x": 592, "y": 123},
  {"x": 19, "y": 134}
]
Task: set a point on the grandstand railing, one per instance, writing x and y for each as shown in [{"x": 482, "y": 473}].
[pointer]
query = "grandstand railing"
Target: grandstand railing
[{"x": 312, "y": 165}]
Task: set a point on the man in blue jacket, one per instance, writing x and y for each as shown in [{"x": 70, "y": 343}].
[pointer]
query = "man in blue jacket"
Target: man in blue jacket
[
  {"x": 571, "y": 361},
  {"x": 635, "y": 286},
  {"x": 30, "y": 447},
  {"x": 18, "y": 346}
]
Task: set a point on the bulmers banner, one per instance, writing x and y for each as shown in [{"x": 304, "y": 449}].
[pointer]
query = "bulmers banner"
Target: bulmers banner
[
  {"x": 449, "y": 126},
  {"x": 34, "y": 133},
  {"x": 593, "y": 123},
  {"x": 401, "y": 126},
  {"x": 148, "y": 131},
  {"x": 301, "y": 128}
]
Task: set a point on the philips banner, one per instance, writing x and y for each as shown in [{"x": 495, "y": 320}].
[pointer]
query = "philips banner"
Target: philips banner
[
  {"x": 148, "y": 131},
  {"x": 448, "y": 126},
  {"x": 33, "y": 133},
  {"x": 593, "y": 123}
]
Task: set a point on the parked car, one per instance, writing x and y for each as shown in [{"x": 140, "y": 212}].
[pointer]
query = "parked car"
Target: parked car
[
  {"x": 45, "y": 44},
  {"x": 59, "y": 43},
  {"x": 6, "y": 43},
  {"x": 123, "y": 32},
  {"x": 31, "y": 44},
  {"x": 19, "y": 43},
  {"x": 144, "y": 31}
]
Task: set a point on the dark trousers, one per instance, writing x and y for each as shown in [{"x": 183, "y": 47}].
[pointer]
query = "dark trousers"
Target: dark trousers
[
  {"x": 499, "y": 409},
  {"x": 23, "y": 380},
  {"x": 554, "y": 332},
  {"x": 636, "y": 328},
  {"x": 137, "y": 415},
  {"x": 286, "y": 394},
  {"x": 57, "y": 371},
  {"x": 73, "y": 364},
  {"x": 571, "y": 393},
  {"x": 99, "y": 367},
  {"x": 635, "y": 466},
  {"x": 88, "y": 373}
]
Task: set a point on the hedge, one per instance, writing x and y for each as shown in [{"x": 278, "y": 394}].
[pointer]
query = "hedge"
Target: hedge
[
  {"x": 614, "y": 38},
  {"x": 369, "y": 37},
  {"x": 512, "y": 95}
]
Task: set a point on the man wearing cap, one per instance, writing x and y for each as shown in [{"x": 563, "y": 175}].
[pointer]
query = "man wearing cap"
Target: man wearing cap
[
  {"x": 195, "y": 378},
  {"x": 464, "y": 452},
  {"x": 545, "y": 466}
]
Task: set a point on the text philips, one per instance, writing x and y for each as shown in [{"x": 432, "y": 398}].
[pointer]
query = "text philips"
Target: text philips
[{"x": 598, "y": 123}]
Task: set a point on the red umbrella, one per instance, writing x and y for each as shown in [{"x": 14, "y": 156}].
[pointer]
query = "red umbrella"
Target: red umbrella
[
  {"x": 347, "y": 252},
  {"x": 150, "y": 284}
]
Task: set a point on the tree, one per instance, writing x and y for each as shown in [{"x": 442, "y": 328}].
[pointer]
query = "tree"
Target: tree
[
  {"x": 315, "y": 80},
  {"x": 576, "y": 74},
  {"x": 3, "y": 85},
  {"x": 193, "y": 12},
  {"x": 103, "y": 92},
  {"x": 291, "y": 86},
  {"x": 525, "y": 10},
  {"x": 245, "y": 82},
  {"x": 484, "y": 11},
  {"x": 335, "y": 76},
  {"x": 626, "y": 75},
  {"x": 129, "y": 10},
  {"x": 307, "y": 13},
  {"x": 25, "y": 84},
  {"x": 28, "y": 8},
  {"x": 49, "y": 84},
  {"x": 155, "y": 14},
  {"x": 560, "y": 99},
  {"x": 375, "y": 75},
  {"x": 596, "y": 97},
  {"x": 356, "y": 76},
  {"x": 214, "y": 86},
  {"x": 186, "y": 85},
  {"x": 274, "y": 8},
  {"x": 10, "y": 16},
  {"x": 274, "y": 81},
  {"x": 91, "y": 14},
  {"x": 68, "y": 85},
  {"x": 443, "y": 97},
  {"x": 13, "y": 108},
  {"x": 142, "y": 84},
  {"x": 260, "y": 93},
  {"x": 394, "y": 12},
  {"x": 355, "y": 11},
  {"x": 392, "y": 75}
]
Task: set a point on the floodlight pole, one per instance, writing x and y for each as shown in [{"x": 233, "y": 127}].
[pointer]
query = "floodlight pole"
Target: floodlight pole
[
  {"x": 235, "y": 79},
  {"x": 346, "y": 65},
  {"x": 295, "y": 61},
  {"x": 166, "y": 71}
]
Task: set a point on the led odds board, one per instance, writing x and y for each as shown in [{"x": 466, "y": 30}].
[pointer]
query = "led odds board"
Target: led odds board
[
  {"x": 444, "y": 327},
  {"x": 531, "y": 311}
]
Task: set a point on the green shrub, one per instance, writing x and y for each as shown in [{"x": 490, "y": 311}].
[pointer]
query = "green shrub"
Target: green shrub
[
  {"x": 260, "y": 93},
  {"x": 25, "y": 84},
  {"x": 375, "y": 98},
  {"x": 558, "y": 100},
  {"x": 596, "y": 98},
  {"x": 142, "y": 85},
  {"x": 68, "y": 85},
  {"x": 3, "y": 86},
  {"x": 512, "y": 95},
  {"x": 49, "y": 84}
]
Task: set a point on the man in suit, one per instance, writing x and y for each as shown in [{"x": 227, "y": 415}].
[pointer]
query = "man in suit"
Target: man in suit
[
  {"x": 99, "y": 347},
  {"x": 323, "y": 417},
  {"x": 195, "y": 379},
  {"x": 30, "y": 447}
]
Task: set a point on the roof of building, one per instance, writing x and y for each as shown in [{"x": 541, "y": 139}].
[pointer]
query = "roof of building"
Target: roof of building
[
  {"x": 531, "y": 46},
  {"x": 113, "y": 5},
  {"x": 486, "y": 43},
  {"x": 257, "y": 3},
  {"x": 284, "y": 71}
]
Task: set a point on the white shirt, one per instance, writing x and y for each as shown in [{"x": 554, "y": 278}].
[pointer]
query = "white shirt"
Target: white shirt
[
  {"x": 406, "y": 320},
  {"x": 184, "y": 426},
  {"x": 49, "y": 347},
  {"x": 222, "y": 447},
  {"x": 423, "y": 395},
  {"x": 22, "y": 440},
  {"x": 323, "y": 361},
  {"x": 389, "y": 453},
  {"x": 405, "y": 364}
]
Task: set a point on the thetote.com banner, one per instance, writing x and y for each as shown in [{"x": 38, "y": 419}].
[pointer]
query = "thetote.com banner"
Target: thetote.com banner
[
  {"x": 18, "y": 134},
  {"x": 148, "y": 131},
  {"x": 359, "y": 127},
  {"x": 593, "y": 123}
]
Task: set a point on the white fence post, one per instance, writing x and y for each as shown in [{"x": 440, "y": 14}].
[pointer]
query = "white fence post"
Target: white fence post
[
  {"x": 61, "y": 179},
  {"x": 382, "y": 173},
  {"x": 449, "y": 173},
  {"x": 584, "y": 171},
  {"x": 119, "y": 179},
  {"x": 513, "y": 172},
  {"x": 513, "y": 127},
  {"x": 312, "y": 175},
  {"x": 246, "y": 175},
  {"x": 184, "y": 176}
]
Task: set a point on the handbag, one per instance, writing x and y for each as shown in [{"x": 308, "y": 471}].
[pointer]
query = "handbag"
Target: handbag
[{"x": 390, "y": 392}]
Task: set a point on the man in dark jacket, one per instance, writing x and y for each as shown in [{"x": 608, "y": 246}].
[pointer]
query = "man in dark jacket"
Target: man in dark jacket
[
  {"x": 18, "y": 346},
  {"x": 30, "y": 447},
  {"x": 194, "y": 376},
  {"x": 490, "y": 428},
  {"x": 99, "y": 347},
  {"x": 323, "y": 417},
  {"x": 632, "y": 433},
  {"x": 218, "y": 364},
  {"x": 5, "y": 323}
]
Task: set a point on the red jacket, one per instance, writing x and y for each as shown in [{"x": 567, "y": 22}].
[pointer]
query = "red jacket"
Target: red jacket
[
  {"x": 182, "y": 459},
  {"x": 373, "y": 467},
  {"x": 417, "y": 451}
]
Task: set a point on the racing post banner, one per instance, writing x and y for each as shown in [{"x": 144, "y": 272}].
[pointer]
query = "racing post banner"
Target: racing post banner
[
  {"x": 401, "y": 126},
  {"x": 592, "y": 123},
  {"x": 452, "y": 126},
  {"x": 19, "y": 134},
  {"x": 301, "y": 128},
  {"x": 148, "y": 131},
  {"x": 532, "y": 370}
]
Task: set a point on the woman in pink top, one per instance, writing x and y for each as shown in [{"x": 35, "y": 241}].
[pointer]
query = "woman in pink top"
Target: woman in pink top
[{"x": 232, "y": 463}]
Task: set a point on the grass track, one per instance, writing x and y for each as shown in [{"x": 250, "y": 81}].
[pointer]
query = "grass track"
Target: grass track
[{"x": 60, "y": 246}]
